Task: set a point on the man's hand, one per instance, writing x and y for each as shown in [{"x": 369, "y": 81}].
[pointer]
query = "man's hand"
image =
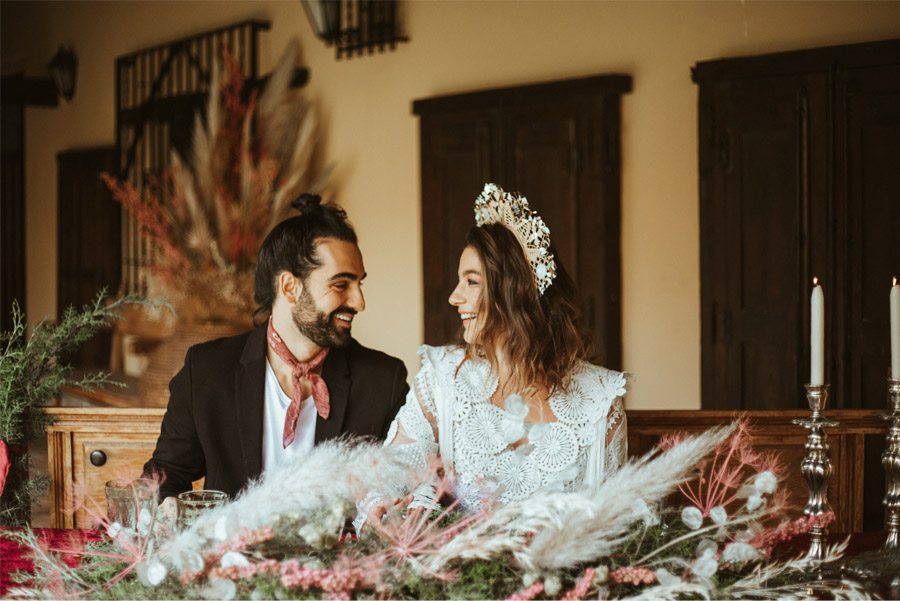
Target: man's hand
[{"x": 164, "y": 525}]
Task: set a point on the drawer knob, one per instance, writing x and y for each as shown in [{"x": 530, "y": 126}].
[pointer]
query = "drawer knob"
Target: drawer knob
[{"x": 98, "y": 458}]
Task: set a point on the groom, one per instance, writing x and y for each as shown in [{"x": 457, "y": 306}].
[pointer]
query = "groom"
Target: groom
[{"x": 244, "y": 404}]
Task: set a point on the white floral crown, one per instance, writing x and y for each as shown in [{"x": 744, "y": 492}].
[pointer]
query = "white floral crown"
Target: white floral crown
[{"x": 494, "y": 205}]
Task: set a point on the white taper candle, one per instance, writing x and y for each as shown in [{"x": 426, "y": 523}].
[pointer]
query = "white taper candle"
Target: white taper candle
[
  {"x": 817, "y": 335},
  {"x": 895, "y": 330}
]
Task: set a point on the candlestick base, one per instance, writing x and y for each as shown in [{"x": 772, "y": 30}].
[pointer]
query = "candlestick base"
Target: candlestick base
[
  {"x": 816, "y": 466},
  {"x": 890, "y": 460}
]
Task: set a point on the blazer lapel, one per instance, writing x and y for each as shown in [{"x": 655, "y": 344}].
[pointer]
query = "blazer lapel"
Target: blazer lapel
[
  {"x": 249, "y": 388},
  {"x": 336, "y": 373}
]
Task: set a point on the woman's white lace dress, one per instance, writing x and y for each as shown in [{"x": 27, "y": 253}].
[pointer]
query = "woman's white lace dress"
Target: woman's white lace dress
[{"x": 494, "y": 451}]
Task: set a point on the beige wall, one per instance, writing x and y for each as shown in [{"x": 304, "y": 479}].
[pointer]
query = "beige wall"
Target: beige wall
[{"x": 457, "y": 46}]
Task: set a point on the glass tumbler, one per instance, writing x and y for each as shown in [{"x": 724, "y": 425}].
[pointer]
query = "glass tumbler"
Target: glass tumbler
[
  {"x": 193, "y": 503},
  {"x": 131, "y": 504}
]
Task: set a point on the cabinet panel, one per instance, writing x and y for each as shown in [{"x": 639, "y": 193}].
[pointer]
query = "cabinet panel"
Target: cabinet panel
[
  {"x": 458, "y": 157},
  {"x": 869, "y": 181},
  {"x": 125, "y": 454},
  {"x": 544, "y": 149}
]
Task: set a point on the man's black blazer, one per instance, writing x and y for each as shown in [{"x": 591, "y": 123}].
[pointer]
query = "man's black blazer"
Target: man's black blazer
[{"x": 213, "y": 425}]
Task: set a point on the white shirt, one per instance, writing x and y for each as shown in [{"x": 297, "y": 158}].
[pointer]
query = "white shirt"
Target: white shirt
[{"x": 275, "y": 406}]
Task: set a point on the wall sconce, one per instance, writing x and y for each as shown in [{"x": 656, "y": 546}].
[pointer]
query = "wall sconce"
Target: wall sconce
[
  {"x": 63, "y": 69},
  {"x": 325, "y": 18},
  {"x": 355, "y": 26}
]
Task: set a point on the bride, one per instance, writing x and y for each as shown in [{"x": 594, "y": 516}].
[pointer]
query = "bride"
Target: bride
[{"x": 517, "y": 407}]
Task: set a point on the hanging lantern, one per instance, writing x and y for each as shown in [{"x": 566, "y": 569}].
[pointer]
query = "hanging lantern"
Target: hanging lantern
[{"x": 64, "y": 68}]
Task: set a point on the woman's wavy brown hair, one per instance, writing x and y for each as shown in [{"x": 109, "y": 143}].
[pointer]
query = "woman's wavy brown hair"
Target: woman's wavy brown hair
[{"x": 541, "y": 335}]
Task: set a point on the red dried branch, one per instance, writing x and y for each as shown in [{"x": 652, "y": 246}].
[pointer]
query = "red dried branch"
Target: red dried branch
[{"x": 149, "y": 214}]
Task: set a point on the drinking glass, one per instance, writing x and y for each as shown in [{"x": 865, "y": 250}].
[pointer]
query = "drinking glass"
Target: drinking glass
[
  {"x": 131, "y": 504},
  {"x": 193, "y": 503}
]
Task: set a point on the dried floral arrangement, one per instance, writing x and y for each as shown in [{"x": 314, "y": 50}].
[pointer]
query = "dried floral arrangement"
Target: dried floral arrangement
[
  {"x": 285, "y": 538},
  {"x": 208, "y": 218},
  {"x": 31, "y": 373}
]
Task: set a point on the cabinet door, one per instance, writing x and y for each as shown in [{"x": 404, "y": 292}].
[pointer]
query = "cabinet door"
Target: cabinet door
[
  {"x": 125, "y": 452},
  {"x": 763, "y": 221},
  {"x": 867, "y": 177},
  {"x": 459, "y": 151}
]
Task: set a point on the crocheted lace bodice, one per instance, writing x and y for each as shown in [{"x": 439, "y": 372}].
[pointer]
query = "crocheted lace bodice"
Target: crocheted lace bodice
[{"x": 497, "y": 451}]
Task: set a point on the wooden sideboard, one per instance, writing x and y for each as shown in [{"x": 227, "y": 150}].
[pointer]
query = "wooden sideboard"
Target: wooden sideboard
[
  {"x": 125, "y": 437},
  {"x": 856, "y": 486}
]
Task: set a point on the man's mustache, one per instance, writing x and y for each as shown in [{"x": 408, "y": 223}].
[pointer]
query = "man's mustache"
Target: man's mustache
[{"x": 343, "y": 310}]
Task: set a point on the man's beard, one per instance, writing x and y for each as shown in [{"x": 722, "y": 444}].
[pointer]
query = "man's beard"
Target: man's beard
[{"x": 317, "y": 326}]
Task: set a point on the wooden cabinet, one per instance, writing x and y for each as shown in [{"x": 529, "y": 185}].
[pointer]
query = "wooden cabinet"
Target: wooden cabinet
[
  {"x": 856, "y": 487},
  {"x": 557, "y": 143},
  {"x": 799, "y": 156},
  {"x": 127, "y": 438},
  {"x": 122, "y": 440}
]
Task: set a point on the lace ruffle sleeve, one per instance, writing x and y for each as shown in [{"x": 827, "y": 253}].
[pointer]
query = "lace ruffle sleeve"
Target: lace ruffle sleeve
[
  {"x": 609, "y": 448},
  {"x": 616, "y": 436},
  {"x": 616, "y": 385},
  {"x": 413, "y": 433}
]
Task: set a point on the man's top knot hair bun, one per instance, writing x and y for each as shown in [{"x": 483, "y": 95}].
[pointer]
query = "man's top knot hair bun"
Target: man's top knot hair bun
[{"x": 308, "y": 204}]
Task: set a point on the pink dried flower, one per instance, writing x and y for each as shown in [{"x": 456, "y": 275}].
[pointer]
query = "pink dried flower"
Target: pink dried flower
[
  {"x": 582, "y": 587},
  {"x": 339, "y": 581},
  {"x": 633, "y": 575},
  {"x": 527, "y": 594},
  {"x": 246, "y": 538},
  {"x": 768, "y": 539},
  {"x": 417, "y": 535},
  {"x": 268, "y": 566},
  {"x": 130, "y": 551},
  {"x": 732, "y": 463}
]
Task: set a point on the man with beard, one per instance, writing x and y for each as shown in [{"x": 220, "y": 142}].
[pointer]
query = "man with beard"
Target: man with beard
[{"x": 242, "y": 405}]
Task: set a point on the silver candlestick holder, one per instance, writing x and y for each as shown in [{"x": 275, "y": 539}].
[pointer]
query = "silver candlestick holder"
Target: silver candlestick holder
[
  {"x": 816, "y": 466},
  {"x": 890, "y": 460}
]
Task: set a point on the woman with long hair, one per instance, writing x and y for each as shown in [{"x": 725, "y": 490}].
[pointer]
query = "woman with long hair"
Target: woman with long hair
[{"x": 515, "y": 407}]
